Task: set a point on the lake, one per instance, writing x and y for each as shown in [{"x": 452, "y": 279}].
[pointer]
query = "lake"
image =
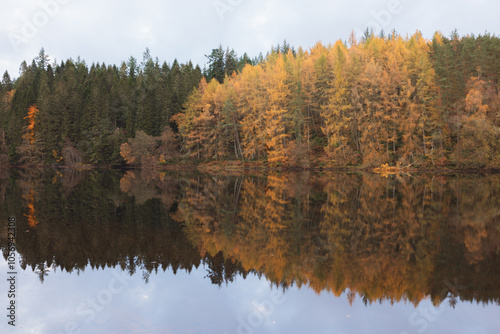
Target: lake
[{"x": 145, "y": 251}]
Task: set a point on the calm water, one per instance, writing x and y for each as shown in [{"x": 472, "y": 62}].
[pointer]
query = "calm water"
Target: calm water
[{"x": 184, "y": 252}]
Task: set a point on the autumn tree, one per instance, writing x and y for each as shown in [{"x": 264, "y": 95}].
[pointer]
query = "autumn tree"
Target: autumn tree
[
  {"x": 336, "y": 113},
  {"x": 479, "y": 137},
  {"x": 252, "y": 103},
  {"x": 385, "y": 99},
  {"x": 374, "y": 136},
  {"x": 31, "y": 149},
  {"x": 145, "y": 150},
  {"x": 277, "y": 122}
]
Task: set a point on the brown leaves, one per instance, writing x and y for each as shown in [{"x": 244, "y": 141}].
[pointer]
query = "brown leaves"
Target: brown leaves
[{"x": 145, "y": 150}]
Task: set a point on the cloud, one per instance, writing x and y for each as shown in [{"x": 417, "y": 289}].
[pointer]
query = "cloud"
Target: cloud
[
  {"x": 112, "y": 31},
  {"x": 96, "y": 302}
]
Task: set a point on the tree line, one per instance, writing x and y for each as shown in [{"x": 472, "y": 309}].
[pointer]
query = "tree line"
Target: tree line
[
  {"x": 393, "y": 99},
  {"x": 404, "y": 101},
  {"x": 72, "y": 113}
]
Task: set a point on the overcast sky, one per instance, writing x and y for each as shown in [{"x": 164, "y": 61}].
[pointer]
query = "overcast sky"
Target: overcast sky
[
  {"x": 189, "y": 303},
  {"x": 111, "y": 31}
]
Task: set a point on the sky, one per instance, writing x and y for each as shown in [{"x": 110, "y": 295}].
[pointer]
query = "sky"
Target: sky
[{"x": 113, "y": 30}]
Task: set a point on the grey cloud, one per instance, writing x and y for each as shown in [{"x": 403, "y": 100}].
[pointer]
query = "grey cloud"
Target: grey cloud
[{"x": 114, "y": 30}]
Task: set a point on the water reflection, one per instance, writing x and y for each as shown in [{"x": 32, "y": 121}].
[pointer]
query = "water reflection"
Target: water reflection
[{"x": 378, "y": 239}]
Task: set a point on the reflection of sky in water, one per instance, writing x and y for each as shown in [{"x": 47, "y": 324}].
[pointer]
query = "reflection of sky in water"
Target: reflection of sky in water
[{"x": 189, "y": 303}]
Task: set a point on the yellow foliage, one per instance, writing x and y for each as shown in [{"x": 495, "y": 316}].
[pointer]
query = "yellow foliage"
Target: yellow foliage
[
  {"x": 56, "y": 156},
  {"x": 126, "y": 153},
  {"x": 385, "y": 170},
  {"x": 7, "y": 98}
]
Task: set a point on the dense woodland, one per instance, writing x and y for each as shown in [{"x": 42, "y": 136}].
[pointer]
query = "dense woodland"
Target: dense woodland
[
  {"x": 404, "y": 101},
  {"x": 431, "y": 236}
]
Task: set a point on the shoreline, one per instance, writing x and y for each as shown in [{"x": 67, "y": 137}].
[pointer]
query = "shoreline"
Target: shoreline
[{"x": 221, "y": 167}]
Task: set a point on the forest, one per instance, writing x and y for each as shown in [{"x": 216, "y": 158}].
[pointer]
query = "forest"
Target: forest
[{"x": 386, "y": 99}]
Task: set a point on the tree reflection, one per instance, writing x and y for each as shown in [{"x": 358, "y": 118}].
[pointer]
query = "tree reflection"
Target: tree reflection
[
  {"x": 371, "y": 237},
  {"x": 395, "y": 238}
]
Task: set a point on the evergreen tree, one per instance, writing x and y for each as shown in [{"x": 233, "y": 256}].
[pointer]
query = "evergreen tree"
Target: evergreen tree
[{"x": 216, "y": 65}]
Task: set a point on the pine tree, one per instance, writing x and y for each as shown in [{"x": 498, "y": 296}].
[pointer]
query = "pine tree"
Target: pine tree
[{"x": 216, "y": 65}]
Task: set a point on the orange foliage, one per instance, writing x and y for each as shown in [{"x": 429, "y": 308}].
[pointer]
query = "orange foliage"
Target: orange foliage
[
  {"x": 32, "y": 114},
  {"x": 371, "y": 103},
  {"x": 475, "y": 98},
  {"x": 32, "y": 220},
  {"x": 32, "y": 148}
]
